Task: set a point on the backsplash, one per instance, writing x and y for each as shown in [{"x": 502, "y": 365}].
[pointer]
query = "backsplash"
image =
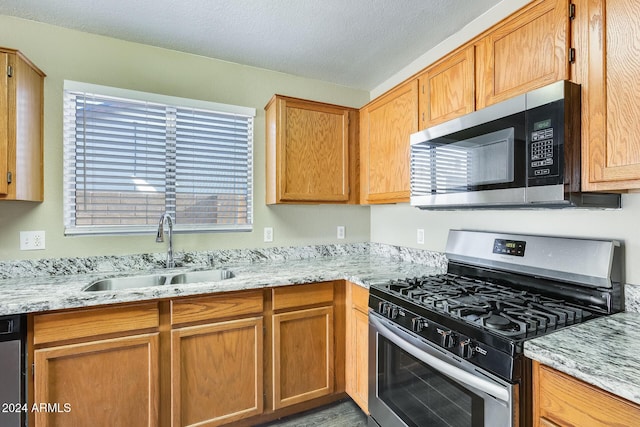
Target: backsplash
[
  {"x": 65, "y": 266},
  {"x": 632, "y": 298}
]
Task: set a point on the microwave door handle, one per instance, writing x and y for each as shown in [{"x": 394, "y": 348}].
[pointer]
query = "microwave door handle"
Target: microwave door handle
[{"x": 445, "y": 368}]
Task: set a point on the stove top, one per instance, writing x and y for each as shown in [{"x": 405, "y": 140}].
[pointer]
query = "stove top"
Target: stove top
[{"x": 497, "y": 308}]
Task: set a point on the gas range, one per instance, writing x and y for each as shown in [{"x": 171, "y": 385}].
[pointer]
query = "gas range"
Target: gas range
[{"x": 500, "y": 290}]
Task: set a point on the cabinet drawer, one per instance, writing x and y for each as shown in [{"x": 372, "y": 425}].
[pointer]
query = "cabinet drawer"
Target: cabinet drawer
[
  {"x": 92, "y": 322},
  {"x": 287, "y": 297},
  {"x": 359, "y": 297},
  {"x": 216, "y": 306}
]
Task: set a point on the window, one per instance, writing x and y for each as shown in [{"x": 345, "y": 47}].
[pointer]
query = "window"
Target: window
[{"x": 131, "y": 156}]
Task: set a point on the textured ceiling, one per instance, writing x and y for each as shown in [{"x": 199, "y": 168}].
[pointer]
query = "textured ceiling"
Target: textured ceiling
[{"x": 356, "y": 43}]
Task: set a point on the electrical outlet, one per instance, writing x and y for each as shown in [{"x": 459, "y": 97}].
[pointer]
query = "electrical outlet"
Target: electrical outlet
[
  {"x": 31, "y": 240},
  {"x": 340, "y": 232},
  {"x": 420, "y": 236},
  {"x": 268, "y": 234}
]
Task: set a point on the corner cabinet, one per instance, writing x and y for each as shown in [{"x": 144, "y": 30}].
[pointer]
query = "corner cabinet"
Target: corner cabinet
[
  {"x": 560, "y": 400},
  {"x": 21, "y": 127},
  {"x": 447, "y": 88},
  {"x": 608, "y": 67},
  {"x": 527, "y": 50},
  {"x": 311, "y": 152},
  {"x": 216, "y": 359},
  {"x": 385, "y": 127},
  {"x": 100, "y": 366}
]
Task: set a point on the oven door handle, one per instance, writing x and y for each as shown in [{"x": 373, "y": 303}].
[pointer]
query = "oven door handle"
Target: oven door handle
[{"x": 451, "y": 371}]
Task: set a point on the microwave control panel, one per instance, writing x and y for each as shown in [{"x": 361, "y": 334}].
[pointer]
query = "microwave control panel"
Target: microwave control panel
[{"x": 545, "y": 148}]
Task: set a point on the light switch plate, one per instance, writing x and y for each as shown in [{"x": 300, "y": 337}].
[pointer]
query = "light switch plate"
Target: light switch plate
[
  {"x": 340, "y": 232},
  {"x": 420, "y": 236}
]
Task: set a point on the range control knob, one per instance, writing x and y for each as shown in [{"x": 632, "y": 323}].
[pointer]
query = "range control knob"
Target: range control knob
[
  {"x": 393, "y": 312},
  {"x": 467, "y": 349},
  {"x": 418, "y": 324},
  {"x": 383, "y": 308},
  {"x": 447, "y": 338}
]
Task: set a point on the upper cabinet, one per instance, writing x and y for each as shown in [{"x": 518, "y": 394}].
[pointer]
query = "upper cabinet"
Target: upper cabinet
[
  {"x": 311, "y": 152},
  {"x": 527, "y": 50},
  {"x": 386, "y": 125},
  {"x": 608, "y": 67},
  {"x": 21, "y": 128},
  {"x": 446, "y": 90}
]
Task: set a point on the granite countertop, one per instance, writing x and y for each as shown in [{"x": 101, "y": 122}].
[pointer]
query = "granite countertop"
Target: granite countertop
[
  {"x": 604, "y": 352},
  {"x": 38, "y": 294}
]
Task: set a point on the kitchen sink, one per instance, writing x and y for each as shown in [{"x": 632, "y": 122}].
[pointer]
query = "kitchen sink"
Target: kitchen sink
[
  {"x": 129, "y": 282},
  {"x": 201, "y": 276}
]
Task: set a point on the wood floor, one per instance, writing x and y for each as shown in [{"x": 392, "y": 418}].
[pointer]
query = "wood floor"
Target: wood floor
[{"x": 344, "y": 413}]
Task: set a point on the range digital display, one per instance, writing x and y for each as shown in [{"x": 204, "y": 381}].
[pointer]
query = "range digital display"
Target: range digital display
[{"x": 509, "y": 247}]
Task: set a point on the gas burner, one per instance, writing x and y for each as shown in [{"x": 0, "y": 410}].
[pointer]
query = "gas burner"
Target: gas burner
[{"x": 495, "y": 321}]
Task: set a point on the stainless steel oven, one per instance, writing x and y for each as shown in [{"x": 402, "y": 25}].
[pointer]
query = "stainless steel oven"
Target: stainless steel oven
[
  {"x": 413, "y": 383},
  {"x": 447, "y": 350}
]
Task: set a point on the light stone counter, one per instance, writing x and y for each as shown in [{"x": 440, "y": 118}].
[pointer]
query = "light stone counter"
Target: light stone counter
[
  {"x": 604, "y": 352},
  {"x": 58, "y": 284}
]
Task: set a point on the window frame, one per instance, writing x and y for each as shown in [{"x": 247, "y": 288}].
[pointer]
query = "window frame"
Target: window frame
[{"x": 69, "y": 172}]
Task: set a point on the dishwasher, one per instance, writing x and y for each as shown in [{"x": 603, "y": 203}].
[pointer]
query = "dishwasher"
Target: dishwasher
[{"x": 13, "y": 406}]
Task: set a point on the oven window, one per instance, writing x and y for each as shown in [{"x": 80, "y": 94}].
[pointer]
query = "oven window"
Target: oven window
[{"x": 421, "y": 396}]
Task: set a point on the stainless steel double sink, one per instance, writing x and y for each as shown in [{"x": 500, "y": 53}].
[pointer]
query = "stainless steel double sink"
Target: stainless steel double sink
[{"x": 146, "y": 280}]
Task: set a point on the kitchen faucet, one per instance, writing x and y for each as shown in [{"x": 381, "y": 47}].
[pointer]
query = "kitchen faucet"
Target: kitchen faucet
[{"x": 160, "y": 238}]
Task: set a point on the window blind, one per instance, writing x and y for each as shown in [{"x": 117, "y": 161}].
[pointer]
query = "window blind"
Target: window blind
[{"x": 128, "y": 160}]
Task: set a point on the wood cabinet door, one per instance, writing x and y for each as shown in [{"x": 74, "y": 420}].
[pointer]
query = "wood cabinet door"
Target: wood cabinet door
[
  {"x": 4, "y": 122},
  {"x": 447, "y": 89},
  {"x": 312, "y": 152},
  {"x": 561, "y": 400},
  {"x": 302, "y": 355},
  {"x": 216, "y": 372},
  {"x": 606, "y": 36},
  {"x": 385, "y": 128},
  {"x": 357, "y": 349},
  {"x": 529, "y": 50},
  {"x": 110, "y": 382}
]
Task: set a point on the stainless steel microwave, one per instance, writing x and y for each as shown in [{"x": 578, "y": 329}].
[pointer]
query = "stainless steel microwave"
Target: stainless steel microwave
[{"x": 522, "y": 152}]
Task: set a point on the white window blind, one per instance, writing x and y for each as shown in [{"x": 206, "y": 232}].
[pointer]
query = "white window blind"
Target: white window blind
[{"x": 129, "y": 158}]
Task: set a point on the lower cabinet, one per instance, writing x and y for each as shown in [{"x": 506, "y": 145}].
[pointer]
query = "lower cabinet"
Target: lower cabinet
[
  {"x": 201, "y": 361},
  {"x": 357, "y": 345},
  {"x": 302, "y": 346},
  {"x": 216, "y": 365},
  {"x": 560, "y": 400},
  {"x": 83, "y": 378}
]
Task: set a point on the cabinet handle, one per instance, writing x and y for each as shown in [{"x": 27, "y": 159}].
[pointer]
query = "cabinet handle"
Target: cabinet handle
[{"x": 9, "y": 71}]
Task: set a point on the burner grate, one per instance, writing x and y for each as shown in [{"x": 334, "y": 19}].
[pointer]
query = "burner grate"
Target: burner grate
[{"x": 497, "y": 307}]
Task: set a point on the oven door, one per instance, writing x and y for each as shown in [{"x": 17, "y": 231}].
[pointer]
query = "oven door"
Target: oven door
[{"x": 413, "y": 383}]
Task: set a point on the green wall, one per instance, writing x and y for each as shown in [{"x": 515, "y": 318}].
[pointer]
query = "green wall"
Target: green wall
[{"x": 71, "y": 55}]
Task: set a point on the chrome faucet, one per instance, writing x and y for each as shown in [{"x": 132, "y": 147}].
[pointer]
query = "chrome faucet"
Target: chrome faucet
[{"x": 160, "y": 238}]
